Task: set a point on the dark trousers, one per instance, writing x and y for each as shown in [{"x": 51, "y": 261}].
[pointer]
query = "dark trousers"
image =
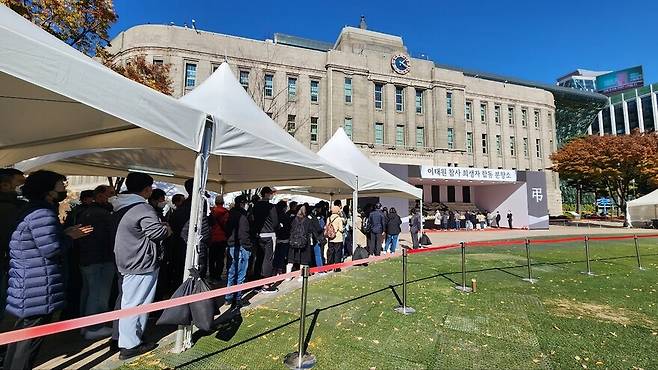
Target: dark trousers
[
  {"x": 375, "y": 245},
  {"x": 117, "y": 306},
  {"x": 266, "y": 247},
  {"x": 414, "y": 239},
  {"x": 216, "y": 255},
  {"x": 21, "y": 355},
  {"x": 334, "y": 253},
  {"x": 509, "y": 222}
]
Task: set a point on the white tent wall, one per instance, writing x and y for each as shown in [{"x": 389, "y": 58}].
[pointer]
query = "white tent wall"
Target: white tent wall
[
  {"x": 502, "y": 198},
  {"x": 641, "y": 211}
]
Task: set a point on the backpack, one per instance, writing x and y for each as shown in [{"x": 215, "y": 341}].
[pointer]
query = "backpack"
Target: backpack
[
  {"x": 360, "y": 253},
  {"x": 298, "y": 236},
  {"x": 330, "y": 230}
]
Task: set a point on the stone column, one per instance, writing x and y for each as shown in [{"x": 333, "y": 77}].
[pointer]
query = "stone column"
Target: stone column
[{"x": 600, "y": 120}]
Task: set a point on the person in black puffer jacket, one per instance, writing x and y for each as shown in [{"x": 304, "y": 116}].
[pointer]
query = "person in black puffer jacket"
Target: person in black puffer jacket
[{"x": 393, "y": 230}]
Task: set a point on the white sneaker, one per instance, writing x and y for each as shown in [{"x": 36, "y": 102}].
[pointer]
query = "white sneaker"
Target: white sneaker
[{"x": 101, "y": 333}]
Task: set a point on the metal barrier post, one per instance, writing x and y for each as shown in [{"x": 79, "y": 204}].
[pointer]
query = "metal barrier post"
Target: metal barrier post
[
  {"x": 404, "y": 309},
  {"x": 301, "y": 359},
  {"x": 589, "y": 265},
  {"x": 527, "y": 254},
  {"x": 463, "y": 287},
  {"x": 637, "y": 254}
]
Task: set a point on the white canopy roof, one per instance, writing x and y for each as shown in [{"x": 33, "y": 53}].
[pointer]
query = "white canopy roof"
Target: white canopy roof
[
  {"x": 66, "y": 111},
  {"x": 643, "y": 209},
  {"x": 373, "y": 180},
  {"x": 53, "y": 98}
]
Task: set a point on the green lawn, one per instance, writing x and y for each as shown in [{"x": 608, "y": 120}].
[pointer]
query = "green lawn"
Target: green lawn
[{"x": 566, "y": 320}]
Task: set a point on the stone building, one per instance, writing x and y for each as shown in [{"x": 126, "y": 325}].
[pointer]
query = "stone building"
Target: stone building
[{"x": 399, "y": 109}]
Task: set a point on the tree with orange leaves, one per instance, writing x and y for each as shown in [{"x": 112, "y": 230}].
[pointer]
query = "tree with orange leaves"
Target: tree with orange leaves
[
  {"x": 613, "y": 163},
  {"x": 84, "y": 24}
]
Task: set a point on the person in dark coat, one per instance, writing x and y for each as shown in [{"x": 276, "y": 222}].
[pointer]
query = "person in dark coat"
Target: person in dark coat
[
  {"x": 509, "y": 218},
  {"x": 36, "y": 287},
  {"x": 239, "y": 248},
  {"x": 300, "y": 253},
  {"x": 265, "y": 225},
  {"x": 377, "y": 222},
  {"x": 282, "y": 238},
  {"x": 498, "y": 219},
  {"x": 414, "y": 227},
  {"x": 217, "y": 249},
  {"x": 10, "y": 182},
  {"x": 393, "y": 230},
  {"x": 97, "y": 260}
]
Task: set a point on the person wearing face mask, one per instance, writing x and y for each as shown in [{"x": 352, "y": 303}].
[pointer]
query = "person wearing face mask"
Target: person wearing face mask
[
  {"x": 158, "y": 200},
  {"x": 36, "y": 250},
  {"x": 138, "y": 233},
  {"x": 96, "y": 260}
]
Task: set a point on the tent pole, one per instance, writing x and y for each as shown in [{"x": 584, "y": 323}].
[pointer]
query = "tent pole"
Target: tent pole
[
  {"x": 422, "y": 220},
  {"x": 355, "y": 203},
  {"x": 184, "y": 333}
]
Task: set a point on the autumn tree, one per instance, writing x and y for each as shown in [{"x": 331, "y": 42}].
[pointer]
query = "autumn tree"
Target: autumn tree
[
  {"x": 613, "y": 163},
  {"x": 84, "y": 25}
]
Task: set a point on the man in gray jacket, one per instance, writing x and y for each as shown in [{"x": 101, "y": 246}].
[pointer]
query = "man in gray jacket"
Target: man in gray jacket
[{"x": 138, "y": 232}]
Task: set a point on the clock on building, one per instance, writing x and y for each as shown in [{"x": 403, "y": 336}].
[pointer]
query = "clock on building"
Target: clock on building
[{"x": 400, "y": 63}]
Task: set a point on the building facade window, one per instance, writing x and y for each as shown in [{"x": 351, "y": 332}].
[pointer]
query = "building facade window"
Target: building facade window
[
  {"x": 347, "y": 126},
  {"x": 538, "y": 147},
  {"x": 497, "y": 114},
  {"x": 449, "y": 103},
  {"x": 536, "y": 119},
  {"x": 451, "y": 138},
  {"x": 550, "y": 121},
  {"x": 451, "y": 194},
  {"x": 499, "y": 148},
  {"x": 485, "y": 143},
  {"x": 379, "y": 93},
  {"x": 315, "y": 91},
  {"x": 159, "y": 62},
  {"x": 379, "y": 133},
  {"x": 292, "y": 88},
  {"x": 348, "y": 90},
  {"x": 469, "y": 142},
  {"x": 483, "y": 113},
  {"x": 466, "y": 194},
  {"x": 244, "y": 79},
  {"x": 291, "y": 125},
  {"x": 399, "y": 99},
  {"x": 420, "y": 137},
  {"x": 419, "y": 101},
  {"x": 314, "y": 129},
  {"x": 525, "y": 147},
  {"x": 269, "y": 85},
  {"x": 510, "y": 115},
  {"x": 524, "y": 117},
  {"x": 399, "y": 135},
  {"x": 190, "y": 75},
  {"x": 512, "y": 146},
  {"x": 467, "y": 110}
]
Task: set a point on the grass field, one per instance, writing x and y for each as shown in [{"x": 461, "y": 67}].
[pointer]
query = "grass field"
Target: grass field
[{"x": 565, "y": 320}]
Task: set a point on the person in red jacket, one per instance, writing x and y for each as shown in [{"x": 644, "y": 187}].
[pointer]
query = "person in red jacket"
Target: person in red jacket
[{"x": 217, "y": 252}]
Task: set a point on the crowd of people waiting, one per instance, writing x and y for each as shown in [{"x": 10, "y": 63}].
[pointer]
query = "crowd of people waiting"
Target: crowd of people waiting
[
  {"x": 120, "y": 251},
  {"x": 469, "y": 220}
]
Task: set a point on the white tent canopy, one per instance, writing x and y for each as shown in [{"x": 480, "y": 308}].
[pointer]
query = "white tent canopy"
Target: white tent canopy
[
  {"x": 249, "y": 149},
  {"x": 373, "y": 180},
  {"x": 642, "y": 210},
  {"x": 53, "y": 98}
]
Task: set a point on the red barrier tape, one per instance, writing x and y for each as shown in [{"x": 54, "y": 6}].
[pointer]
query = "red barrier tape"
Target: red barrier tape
[
  {"x": 61, "y": 326},
  {"x": 432, "y": 249}
]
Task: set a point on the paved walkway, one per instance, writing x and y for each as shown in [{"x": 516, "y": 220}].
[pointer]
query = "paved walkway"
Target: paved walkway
[{"x": 69, "y": 351}]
